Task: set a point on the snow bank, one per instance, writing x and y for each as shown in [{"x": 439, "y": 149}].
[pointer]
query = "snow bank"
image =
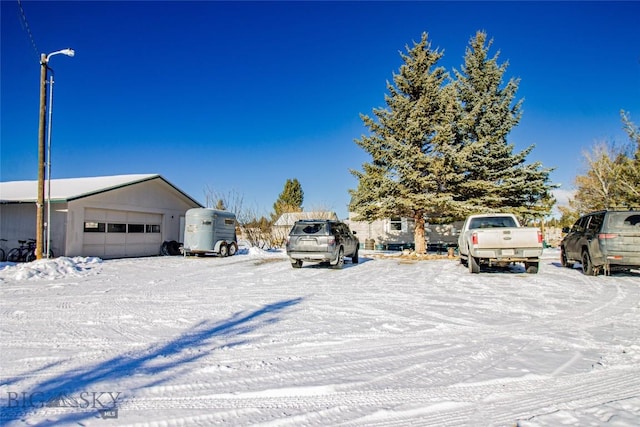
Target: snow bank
[
  {"x": 261, "y": 253},
  {"x": 49, "y": 268}
]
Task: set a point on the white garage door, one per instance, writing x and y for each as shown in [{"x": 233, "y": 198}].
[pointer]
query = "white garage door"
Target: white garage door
[{"x": 113, "y": 234}]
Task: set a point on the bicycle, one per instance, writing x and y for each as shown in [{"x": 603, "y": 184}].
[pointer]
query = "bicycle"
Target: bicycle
[
  {"x": 2, "y": 253},
  {"x": 26, "y": 251}
]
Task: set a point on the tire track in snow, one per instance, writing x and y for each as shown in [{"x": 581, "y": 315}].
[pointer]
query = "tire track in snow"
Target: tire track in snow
[
  {"x": 501, "y": 402},
  {"x": 361, "y": 358}
]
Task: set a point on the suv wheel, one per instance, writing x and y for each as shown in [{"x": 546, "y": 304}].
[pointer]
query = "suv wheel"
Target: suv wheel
[
  {"x": 296, "y": 263},
  {"x": 563, "y": 259},
  {"x": 587, "y": 266},
  {"x": 340, "y": 261},
  {"x": 354, "y": 257}
]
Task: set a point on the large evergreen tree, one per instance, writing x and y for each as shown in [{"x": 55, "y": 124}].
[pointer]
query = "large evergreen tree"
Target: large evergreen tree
[
  {"x": 496, "y": 178},
  {"x": 409, "y": 143},
  {"x": 439, "y": 149},
  {"x": 290, "y": 200}
]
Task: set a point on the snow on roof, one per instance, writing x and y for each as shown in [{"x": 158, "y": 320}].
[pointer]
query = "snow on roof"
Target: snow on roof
[{"x": 70, "y": 188}]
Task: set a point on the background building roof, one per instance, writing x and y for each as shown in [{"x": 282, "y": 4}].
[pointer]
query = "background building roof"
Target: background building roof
[{"x": 289, "y": 218}]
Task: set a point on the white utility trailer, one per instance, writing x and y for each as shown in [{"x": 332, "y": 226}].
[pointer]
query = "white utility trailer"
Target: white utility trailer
[{"x": 210, "y": 231}]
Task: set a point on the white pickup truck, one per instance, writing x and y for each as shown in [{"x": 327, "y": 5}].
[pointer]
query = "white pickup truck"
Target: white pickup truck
[{"x": 498, "y": 239}]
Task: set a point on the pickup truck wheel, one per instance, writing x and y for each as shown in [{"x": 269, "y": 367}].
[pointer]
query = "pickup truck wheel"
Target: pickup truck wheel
[
  {"x": 296, "y": 263},
  {"x": 563, "y": 259},
  {"x": 531, "y": 267},
  {"x": 463, "y": 260},
  {"x": 340, "y": 261},
  {"x": 474, "y": 266},
  {"x": 354, "y": 257},
  {"x": 587, "y": 266}
]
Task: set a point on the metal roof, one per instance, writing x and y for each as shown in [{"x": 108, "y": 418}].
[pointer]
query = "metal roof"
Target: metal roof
[{"x": 67, "y": 189}]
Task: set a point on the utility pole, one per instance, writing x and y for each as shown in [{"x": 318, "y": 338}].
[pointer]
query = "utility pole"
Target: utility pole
[
  {"x": 41, "y": 151},
  {"x": 44, "y": 66}
]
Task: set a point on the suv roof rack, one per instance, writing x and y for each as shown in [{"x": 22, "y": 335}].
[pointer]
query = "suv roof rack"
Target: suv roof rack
[{"x": 622, "y": 208}]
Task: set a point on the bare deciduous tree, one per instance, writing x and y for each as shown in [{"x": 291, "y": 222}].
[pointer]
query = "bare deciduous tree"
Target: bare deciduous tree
[
  {"x": 598, "y": 187},
  {"x": 251, "y": 226},
  {"x": 612, "y": 178}
]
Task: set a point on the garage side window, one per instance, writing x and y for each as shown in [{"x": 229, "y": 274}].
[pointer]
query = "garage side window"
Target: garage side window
[
  {"x": 94, "y": 227},
  {"x": 116, "y": 228},
  {"x": 101, "y": 227},
  {"x": 135, "y": 228},
  {"x": 153, "y": 228}
]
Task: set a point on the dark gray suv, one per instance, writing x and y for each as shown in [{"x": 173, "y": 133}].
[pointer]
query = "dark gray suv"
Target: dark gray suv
[
  {"x": 321, "y": 241},
  {"x": 603, "y": 241}
]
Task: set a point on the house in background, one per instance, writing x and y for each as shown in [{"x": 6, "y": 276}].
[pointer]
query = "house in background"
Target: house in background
[
  {"x": 281, "y": 228},
  {"x": 107, "y": 216},
  {"x": 398, "y": 233},
  {"x": 383, "y": 234}
]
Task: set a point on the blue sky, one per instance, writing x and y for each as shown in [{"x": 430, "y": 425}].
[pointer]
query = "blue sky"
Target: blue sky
[{"x": 241, "y": 96}]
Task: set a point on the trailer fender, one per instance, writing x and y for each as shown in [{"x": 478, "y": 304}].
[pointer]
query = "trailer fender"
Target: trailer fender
[{"x": 218, "y": 245}]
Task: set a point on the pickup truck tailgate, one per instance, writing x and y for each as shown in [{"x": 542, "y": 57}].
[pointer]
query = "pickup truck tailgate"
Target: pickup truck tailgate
[{"x": 506, "y": 237}]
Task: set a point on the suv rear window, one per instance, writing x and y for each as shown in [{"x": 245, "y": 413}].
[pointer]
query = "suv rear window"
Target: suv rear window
[
  {"x": 624, "y": 220},
  {"x": 318, "y": 228}
]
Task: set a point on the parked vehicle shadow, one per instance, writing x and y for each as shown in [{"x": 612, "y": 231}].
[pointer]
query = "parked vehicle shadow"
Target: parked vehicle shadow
[
  {"x": 347, "y": 263},
  {"x": 151, "y": 366},
  {"x": 513, "y": 269},
  {"x": 620, "y": 273},
  {"x": 509, "y": 269}
]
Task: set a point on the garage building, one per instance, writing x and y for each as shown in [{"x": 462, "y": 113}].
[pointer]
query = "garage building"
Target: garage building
[{"x": 108, "y": 216}]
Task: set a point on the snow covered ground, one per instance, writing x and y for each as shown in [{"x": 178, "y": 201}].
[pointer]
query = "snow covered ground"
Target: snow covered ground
[{"x": 248, "y": 340}]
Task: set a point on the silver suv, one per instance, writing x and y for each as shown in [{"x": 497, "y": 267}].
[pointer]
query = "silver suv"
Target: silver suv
[
  {"x": 321, "y": 241},
  {"x": 603, "y": 241}
]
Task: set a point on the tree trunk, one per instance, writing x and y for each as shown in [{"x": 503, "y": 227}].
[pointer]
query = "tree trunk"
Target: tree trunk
[{"x": 418, "y": 234}]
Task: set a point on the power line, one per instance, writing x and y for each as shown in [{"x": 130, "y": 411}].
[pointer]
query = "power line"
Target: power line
[{"x": 25, "y": 26}]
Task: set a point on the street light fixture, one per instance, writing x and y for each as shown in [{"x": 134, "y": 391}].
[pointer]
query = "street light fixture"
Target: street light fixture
[{"x": 44, "y": 61}]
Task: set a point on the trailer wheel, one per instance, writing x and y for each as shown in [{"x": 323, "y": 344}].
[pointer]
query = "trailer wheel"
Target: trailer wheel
[
  {"x": 224, "y": 250},
  {"x": 233, "y": 248}
]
